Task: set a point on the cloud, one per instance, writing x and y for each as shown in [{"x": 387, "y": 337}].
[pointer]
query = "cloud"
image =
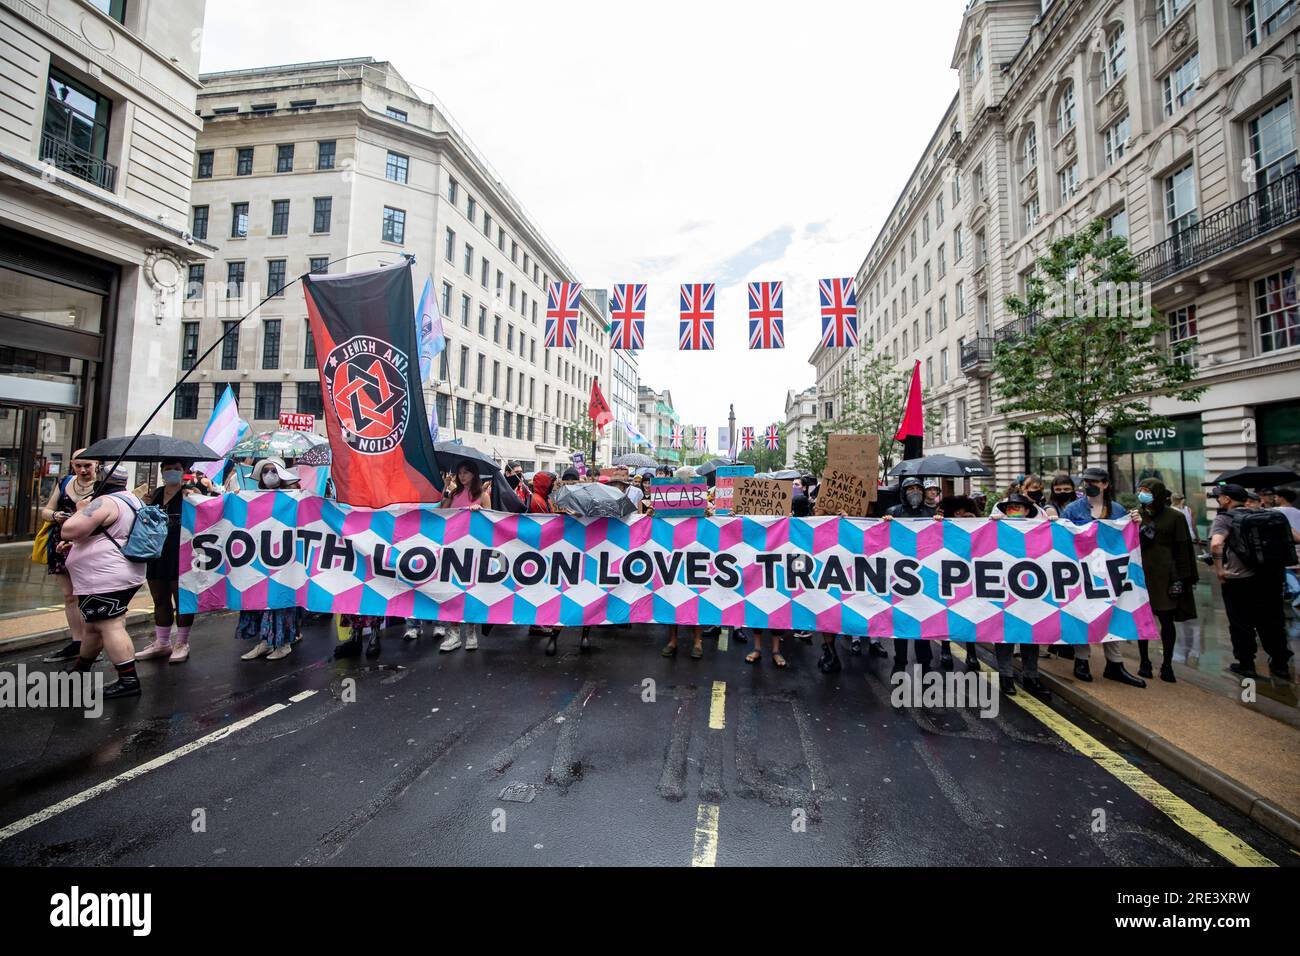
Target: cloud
[{"x": 768, "y": 249}]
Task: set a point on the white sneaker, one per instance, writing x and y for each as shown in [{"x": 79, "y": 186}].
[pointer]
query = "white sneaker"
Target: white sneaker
[
  {"x": 450, "y": 644},
  {"x": 260, "y": 650},
  {"x": 471, "y": 642},
  {"x": 284, "y": 650},
  {"x": 412, "y": 633},
  {"x": 439, "y": 631}
]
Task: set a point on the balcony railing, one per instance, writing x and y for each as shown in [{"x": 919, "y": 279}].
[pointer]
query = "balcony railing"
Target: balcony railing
[
  {"x": 977, "y": 355},
  {"x": 1017, "y": 328},
  {"x": 77, "y": 162},
  {"x": 1261, "y": 212}
]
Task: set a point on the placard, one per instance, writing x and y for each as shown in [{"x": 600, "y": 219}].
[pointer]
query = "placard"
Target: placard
[
  {"x": 614, "y": 474},
  {"x": 843, "y": 492},
  {"x": 580, "y": 463},
  {"x": 761, "y": 496},
  {"x": 679, "y": 497},
  {"x": 724, "y": 485},
  {"x": 297, "y": 422},
  {"x": 859, "y": 454}
]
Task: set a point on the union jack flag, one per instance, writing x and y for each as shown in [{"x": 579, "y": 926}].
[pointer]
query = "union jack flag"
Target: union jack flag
[
  {"x": 772, "y": 437},
  {"x": 766, "y": 311},
  {"x": 562, "y": 315},
  {"x": 839, "y": 313},
  {"x": 697, "y": 316},
  {"x": 701, "y": 438},
  {"x": 627, "y": 328},
  {"x": 746, "y": 438},
  {"x": 679, "y": 436}
]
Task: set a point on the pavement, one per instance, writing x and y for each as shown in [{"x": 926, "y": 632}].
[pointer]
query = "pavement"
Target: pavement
[{"x": 619, "y": 756}]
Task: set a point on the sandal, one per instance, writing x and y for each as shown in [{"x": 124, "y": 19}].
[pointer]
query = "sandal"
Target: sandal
[
  {"x": 670, "y": 650},
  {"x": 753, "y": 657},
  {"x": 778, "y": 660},
  {"x": 697, "y": 651}
]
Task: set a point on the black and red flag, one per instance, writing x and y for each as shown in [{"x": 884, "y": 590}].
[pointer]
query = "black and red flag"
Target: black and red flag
[
  {"x": 911, "y": 432},
  {"x": 363, "y": 324},
  {"x": 598, "y": 408}
]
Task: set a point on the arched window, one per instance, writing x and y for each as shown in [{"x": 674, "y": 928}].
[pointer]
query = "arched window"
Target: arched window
[
  {"x": 1029, "y": 149},
  {"x": 1065, "y": 110},
  {"x": 977, "y": 59},
  {"x": 1114, "y": 63}
]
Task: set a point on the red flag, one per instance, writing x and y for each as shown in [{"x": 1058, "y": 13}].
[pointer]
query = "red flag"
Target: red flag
[
  {"x": 911, "y": 432},
  {"x": 598, "y": 408}
]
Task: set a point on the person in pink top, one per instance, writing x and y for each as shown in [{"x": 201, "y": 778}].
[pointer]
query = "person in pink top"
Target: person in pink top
[
  {"x": 465, "y": 491},
  {"x": 104, "y": 579}
]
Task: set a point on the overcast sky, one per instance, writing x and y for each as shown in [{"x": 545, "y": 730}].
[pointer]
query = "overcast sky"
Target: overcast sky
[{"x": 666, "y": 142}]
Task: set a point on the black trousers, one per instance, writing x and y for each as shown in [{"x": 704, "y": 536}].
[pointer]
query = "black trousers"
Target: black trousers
[
  {"x": 923, "y": 653},
  {"x": 1254, "y": 608}
]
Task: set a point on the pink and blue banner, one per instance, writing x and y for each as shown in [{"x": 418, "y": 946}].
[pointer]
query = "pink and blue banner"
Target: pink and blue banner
[{"x": 971, "y": 579}]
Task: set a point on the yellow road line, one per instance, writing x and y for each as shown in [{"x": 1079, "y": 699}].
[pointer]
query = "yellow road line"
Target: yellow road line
[
  {"x": 1222, "y": 841},
  {"x": 706, "y": 836},
  {"x": 718, "y": 706}
]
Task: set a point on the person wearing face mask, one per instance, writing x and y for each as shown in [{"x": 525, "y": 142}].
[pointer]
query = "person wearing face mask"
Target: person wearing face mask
[
  {"x": 1098, "y": 504},
  {"x": 912, "y": 505},
  {"x": 1062, "y": 495},
  {"x": 1018, "y": 507},
  {"x": 1169, "y": 564},
  {"x": 163, "y": 573},
  {"x": 275, "y": 630}
]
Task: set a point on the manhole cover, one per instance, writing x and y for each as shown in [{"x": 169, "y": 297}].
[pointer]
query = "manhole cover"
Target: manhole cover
[{"x": 518, "y": 793}]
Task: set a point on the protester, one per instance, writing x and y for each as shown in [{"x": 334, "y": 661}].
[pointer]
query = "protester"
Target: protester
[
  {"x": 1063, "y": 494},
  {"x": 464, "y": 491},
  {"x": 912, "y": 506},
  {"x": 1098, "y": 504},
  {"x": 1015, "y": 507},
  {"x": 1286, "y": 504},
  {"x": 163, "y": 574},
  {"x": 697, "y": 645},
  {"x": 104, "y": 579},
  {"x": 957, "y": 506},
  {"x": 1033, "y": 489},
  {"x": 1250, "y": 588},
  {"x": 933, "y": 492},
  {"x": 756, "y": 655},
  {"x": 1169, "y": 565},
  {"x": 275, "y": 630},
  {"x": 72, "y": 489}
]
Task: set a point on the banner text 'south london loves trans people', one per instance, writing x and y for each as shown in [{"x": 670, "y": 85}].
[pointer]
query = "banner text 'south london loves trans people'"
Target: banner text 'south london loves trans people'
[{"x": 965, "y": 579}]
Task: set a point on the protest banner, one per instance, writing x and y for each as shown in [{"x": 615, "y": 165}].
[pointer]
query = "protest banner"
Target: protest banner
[
  {"x": 297, "y": 422},
  {"x": 679, "y": 497},
  {"x": 843, "y": 492},
  {"x": 761, "y": 496},
  {"x": 724, "y": 479},
  {"x": 975, "y": 579}
]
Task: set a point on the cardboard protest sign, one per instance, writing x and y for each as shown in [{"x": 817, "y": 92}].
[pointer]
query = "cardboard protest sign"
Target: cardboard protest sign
[
  {"x": 722, "y": 489},
  {"x": 844, "y": 491},
  {"x": 761, "y": 496},
  {"x": 679, "y": 497},
  {"x": 854, "y": 454},
  {"x": 614, "y": 473}
]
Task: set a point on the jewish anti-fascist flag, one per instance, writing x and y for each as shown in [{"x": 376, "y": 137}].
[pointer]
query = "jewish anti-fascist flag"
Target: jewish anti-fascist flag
[
  {"x": 766, "y": 311},
  {"x": 911, "y": 432},
  {"x": 371, "y": 386},
  {"x": 701, "y": 438},
  {"x": 697, "y": 316},
  {"x": 562, "y": 300},
  {"x": 598, "y": 409},
  {"x": 679, "y": 436},
  {"x": 773, "y": 437},
  {"x": 627, "y": 316},
  {"x": 747, "y": 437},
  {"x": 839, "y": 300}
]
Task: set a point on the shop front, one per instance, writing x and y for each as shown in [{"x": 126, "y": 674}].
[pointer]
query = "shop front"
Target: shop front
[
  {"x": 54, "y": 318},
  {"x": 1277, "y": 428},
  {"x": 1173, "y": 453},
  {"x": 1048, "y": 454}
]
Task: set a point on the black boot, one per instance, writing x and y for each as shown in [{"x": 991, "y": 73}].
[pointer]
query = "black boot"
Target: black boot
[
  {"x": 1167, "y": 673},
  {"x": 899, "y": 665},
  {"x": 876, "y": 649},
  {"x": 1082, "y": 670},
  {"x": 1007, "y": 685},
  {"x": 855, "y": 646},
  {"x": 126, "y": 685},
  {"x": 372, "y": 643},
  {"x": 1036, "y": 687},
  {"x": 1064, "y": 651},
  {"x": 972, "y": 660},
  {"x": 1118, "y": 672},
  {"x": 830, "y": 661},
  {"x": 1144, "y": 662},
  {"x": 945, "y": 659}
]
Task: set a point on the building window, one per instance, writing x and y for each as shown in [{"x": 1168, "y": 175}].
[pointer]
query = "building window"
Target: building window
[
  {"x": 1065, "y": 110},
  {"x": 271, "y": 343},
  {"x": 1182, "y": 328},
  {"x": 1180, "y": 199},
  {"x": 266, "y": 401},
  {"x": 194, "y": 283},
  {"x": 453, "y": 190},
  {"x": 325, "y": 154},
  {"x": 205, "y": 165},
  {"x": 280, "y": 217},
  {"x": 1180, "y": 84},
  {"x": 244, "y": 162},
  {"x": 323, "y": 208},
  {"x": 938, "y": 210},
  {"x": 394, "y": 229},
  {"x": 1275, "y": 311},
  {"x": 1069, "y": 181},
  {"x": 487, "y": 224},
  {"x": 1272, "y": 143},
  {"x": 958, "y": 249},
  {"x": 275, "y": 269},
  {"x": 319, "y": 265},
  {"x": 230, "y": 345},
  {"x": 501, "y": 284},
  {"x": 199, "y": 228},
  {"x": 238, "y": 220},
  {"x": 977, "y": 60},
  {"x": 189, "y": 345},
  {"x": 446, "y": 299},
  {"x": 284, "y": 158},
  {"x": 943, "y": 366},
  {"x": 1263, "y": 17},
  {"x": 482, "y": 320},
  {"x": 1031, "y": 211},
  {"x": 234, "y": 280},
  {"x": 397, "y": 167},
  {"x": 471, "y": 210},
  {"x": 393, "y": 112},
  {"x": 941, "y": 258},
  {"x": 309, "y": 347},
  {"x": 1115, "y": 140},
  {"x": 961, "y": 299},
  {"x": 464, "y": 310},
  {"x": 1113, "y": 66},
  {"x": 1029, "y": 150},
  {"x": 75, "y": 133},
  {"x": 1117, "y": 224},
  {"x": 464, "y": 366},
  {"x": 187, "y": 401},
  {"x": 1168, "y": 10},
  {"x": 309, "y": 399},
  {"x": 469, "y": 259},
  {"x": 449, "y": 245}
]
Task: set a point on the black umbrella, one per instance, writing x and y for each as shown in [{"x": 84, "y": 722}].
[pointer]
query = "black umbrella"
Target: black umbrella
[
  {"x": 634, "y": 460},
  {"x": 449, "y": 453},
  {"x": 1257, "y": 476},
  {"x": 151, "y": 448},
  {"x": 710, "y": 467},
  {"x": 939, "y": 466},
  {"x": 593, "y": 500},
  {"x": 784, "y": 475}
]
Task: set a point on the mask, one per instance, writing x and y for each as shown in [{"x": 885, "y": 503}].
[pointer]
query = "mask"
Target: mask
[
  {"x": 1061, "y": 498},
  {"x": 271, "y": 479},
  {"x": 1092, "y": 491},
  {"x": 1015, "y": 514},
  {"x": 1036, "y": 496},
  {"x": 1145, "y": 497},
  {"x": 173, "y": 477},
  {"x": 914, "y": 498}
]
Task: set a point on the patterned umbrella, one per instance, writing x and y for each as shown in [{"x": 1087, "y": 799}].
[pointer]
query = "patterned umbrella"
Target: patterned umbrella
[
  {"x": 318, "y": 455},
  {"x": 284, "y": 444}
]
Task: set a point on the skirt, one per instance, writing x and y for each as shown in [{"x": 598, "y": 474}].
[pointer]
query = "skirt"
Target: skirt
[{"x": 276, "y": 627}]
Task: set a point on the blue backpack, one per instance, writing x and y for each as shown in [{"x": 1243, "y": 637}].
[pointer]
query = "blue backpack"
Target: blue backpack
[{"x": 148, "y": 534}]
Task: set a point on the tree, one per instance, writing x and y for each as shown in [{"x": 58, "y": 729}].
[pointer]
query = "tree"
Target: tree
[
  {"x": 874, "y": 396},
  {"x": 811, "y": 458},
  {"x": 764, "y": 458},
  {"x": 580, "y": 433},
  {"x": 1088, "y": 353}
]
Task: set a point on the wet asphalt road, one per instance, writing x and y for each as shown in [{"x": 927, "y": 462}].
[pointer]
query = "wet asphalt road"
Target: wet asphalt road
[{"x": 413, "y": 771}]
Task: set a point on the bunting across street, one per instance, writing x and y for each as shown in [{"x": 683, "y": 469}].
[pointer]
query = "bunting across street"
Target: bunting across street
[
  {"x": 839, "y": 300},
  {"x": 766, "y": 315},
  {"x": 679, "y": 436},
  {"x": 696, "y": 316},
  {"x": 701, "y": 437},
  {"x": 746, "y": 437},
  {"x": 627, "y": 316},
  {"x": 562, "y": 305},
  {"x": 773, "y": 436}
]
